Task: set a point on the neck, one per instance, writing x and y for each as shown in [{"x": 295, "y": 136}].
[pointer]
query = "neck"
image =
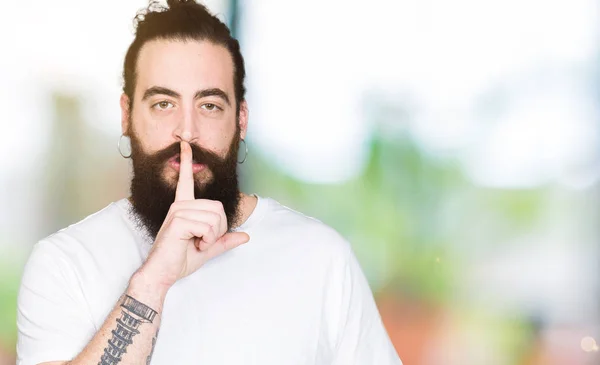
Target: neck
[{"x": 245, "y": 208}]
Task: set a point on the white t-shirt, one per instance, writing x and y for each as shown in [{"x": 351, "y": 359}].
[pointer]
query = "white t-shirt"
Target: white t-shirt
[{"x": 293, "y": 294}]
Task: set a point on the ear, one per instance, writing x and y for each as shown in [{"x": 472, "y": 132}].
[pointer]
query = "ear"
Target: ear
[
  {"x": 243, "y": 118},
  {"x": 125, "y": 113}
]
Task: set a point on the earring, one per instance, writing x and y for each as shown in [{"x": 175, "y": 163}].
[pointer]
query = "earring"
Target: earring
[
  {"x": 119, "y": 148},
  {"x": 246, "y": 148}
]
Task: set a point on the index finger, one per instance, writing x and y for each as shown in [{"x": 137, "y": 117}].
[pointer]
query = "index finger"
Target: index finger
[{"x": 185, "y": 185}]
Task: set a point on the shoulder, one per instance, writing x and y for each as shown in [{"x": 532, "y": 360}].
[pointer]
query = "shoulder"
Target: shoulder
[
  {"x": 95, "y": 222},
  {"x": 311, "y": 233},
  {"x": 78, "y": 238}
]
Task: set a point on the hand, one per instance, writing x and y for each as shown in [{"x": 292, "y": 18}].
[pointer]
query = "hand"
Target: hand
[{"x": 194, "y": 231}]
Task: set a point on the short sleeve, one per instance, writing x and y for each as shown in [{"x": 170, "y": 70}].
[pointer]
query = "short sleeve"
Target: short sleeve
[
  {"x": 362, "y": 338},
  {"x": 51, "y": 318}
]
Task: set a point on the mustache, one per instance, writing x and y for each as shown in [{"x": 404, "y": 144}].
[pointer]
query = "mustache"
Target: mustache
[{"x": 199, "y": 155}]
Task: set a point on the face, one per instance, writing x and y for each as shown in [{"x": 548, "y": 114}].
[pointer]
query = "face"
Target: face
[{"x": 184, "y": 91}]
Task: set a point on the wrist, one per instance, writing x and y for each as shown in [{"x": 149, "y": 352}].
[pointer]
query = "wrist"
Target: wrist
[{"x": 147, "y": 290}]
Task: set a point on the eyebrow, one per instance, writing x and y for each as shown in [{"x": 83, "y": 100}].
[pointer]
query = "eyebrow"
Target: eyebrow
[
  {"x": 212, "y": 92},
  {"x": 159, "y": 90}
]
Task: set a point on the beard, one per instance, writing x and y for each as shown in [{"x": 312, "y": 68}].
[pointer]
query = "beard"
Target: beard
[{"x": 152, "y": 195}]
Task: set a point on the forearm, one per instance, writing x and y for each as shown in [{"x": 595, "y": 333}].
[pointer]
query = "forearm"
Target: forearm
[{"x": 129, "y": 333}]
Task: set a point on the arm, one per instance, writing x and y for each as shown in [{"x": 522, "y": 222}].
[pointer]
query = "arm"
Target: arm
[
  {"x": 129, "y": 333},
  {"x": 193, "y": 232}
]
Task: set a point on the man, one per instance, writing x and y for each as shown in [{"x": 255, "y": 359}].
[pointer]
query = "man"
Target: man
[{"x": 189, "y": 270}]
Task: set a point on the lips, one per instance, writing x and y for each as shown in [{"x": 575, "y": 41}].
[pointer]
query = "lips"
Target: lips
[{"x": 174, "y": 162}]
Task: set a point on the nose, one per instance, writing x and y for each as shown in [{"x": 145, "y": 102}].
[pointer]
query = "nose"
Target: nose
[
  {"x": 187, "y": 127},
  {"x": 186, "y": 135}
]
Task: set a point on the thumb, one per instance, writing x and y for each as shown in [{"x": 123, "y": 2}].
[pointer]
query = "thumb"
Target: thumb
[
  {"x": 233, "y": 239},
  {"x": 227, "y": 242}
]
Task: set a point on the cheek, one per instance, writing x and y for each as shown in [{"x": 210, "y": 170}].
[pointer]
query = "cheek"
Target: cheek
[
  {"x": 150, "y": 142},
  {"x": 152, "y": 136},
  {"x": 214, "y": 136},
  {"x": 220, "y": 144}
]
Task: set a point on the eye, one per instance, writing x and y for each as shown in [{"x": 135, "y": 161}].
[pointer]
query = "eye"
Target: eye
[
  {"x": 210, "y": 107},
  {"x": 163, "y": 105}
]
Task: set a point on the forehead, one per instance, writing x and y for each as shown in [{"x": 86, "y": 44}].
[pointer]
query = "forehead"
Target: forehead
[{"x": 184, "y": 66}]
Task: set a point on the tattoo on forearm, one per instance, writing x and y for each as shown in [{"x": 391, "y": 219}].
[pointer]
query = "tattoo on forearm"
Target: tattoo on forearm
[
  {"x": 149, "y": 358},
  {"x": 133, "y": 314}
]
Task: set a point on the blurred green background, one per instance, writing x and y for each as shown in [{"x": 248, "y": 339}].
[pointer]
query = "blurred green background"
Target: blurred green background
[{"x": 454, "y": 143}]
